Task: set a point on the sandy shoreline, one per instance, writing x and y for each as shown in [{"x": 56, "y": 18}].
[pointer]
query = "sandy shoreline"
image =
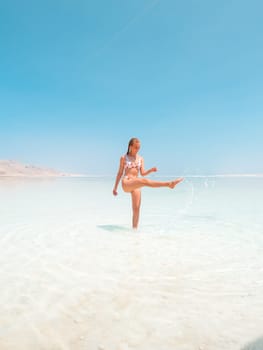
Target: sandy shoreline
[{"x": 11, "y": 168}]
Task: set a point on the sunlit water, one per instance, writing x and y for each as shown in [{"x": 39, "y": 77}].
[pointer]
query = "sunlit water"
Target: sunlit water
[{"x": 74, "y": 275}]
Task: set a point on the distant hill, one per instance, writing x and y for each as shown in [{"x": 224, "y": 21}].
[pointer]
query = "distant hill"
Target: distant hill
[{"x": 14, "y": 168}]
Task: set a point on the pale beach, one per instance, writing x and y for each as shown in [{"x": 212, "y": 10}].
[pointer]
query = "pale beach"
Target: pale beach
[
  {"x": 131, "y": 175},
  {"x": 75, "y": 276}
]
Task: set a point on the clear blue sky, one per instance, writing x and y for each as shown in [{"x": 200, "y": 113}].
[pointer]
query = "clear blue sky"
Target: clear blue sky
[{"x": 79, "y": 78}]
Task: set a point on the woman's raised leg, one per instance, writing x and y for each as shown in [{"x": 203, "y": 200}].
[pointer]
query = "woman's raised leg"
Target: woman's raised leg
[{"x": 132, "y": 184}]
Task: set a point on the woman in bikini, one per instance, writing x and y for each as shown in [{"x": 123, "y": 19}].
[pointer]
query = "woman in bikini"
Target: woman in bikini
[{"x": 131, "y": 165}]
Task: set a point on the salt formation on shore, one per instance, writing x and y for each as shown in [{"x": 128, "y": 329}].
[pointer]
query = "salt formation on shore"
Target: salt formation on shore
[{"x": 14, "y": 168}]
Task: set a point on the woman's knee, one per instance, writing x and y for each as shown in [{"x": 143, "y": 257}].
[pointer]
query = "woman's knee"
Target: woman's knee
[{"x": 144, "y": 181}]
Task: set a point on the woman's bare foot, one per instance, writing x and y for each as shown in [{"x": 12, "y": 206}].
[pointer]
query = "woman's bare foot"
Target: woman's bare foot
[{"x": 172, "y": 184}]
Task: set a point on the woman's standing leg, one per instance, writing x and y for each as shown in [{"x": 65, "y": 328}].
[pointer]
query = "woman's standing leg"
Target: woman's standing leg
[{"x": 136, "y": 204}]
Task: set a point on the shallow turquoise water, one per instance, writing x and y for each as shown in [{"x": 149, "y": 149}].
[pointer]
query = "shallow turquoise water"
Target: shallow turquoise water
[{"x": 199, "y": 246}]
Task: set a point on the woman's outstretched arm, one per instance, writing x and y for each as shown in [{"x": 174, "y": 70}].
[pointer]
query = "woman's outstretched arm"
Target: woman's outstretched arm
[{"x": 146, "y": 172}]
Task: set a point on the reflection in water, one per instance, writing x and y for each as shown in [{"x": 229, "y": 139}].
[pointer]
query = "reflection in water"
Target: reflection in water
[
  {"x": 114, "y": 228},
  {"x": 255, "y": 345}
]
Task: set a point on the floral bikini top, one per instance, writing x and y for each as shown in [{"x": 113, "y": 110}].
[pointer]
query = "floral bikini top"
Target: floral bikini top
[{"x": 132, "y": 164}]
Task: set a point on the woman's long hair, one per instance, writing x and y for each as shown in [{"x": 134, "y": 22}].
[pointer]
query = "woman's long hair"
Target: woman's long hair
[{"x": 131, "y": 142}]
